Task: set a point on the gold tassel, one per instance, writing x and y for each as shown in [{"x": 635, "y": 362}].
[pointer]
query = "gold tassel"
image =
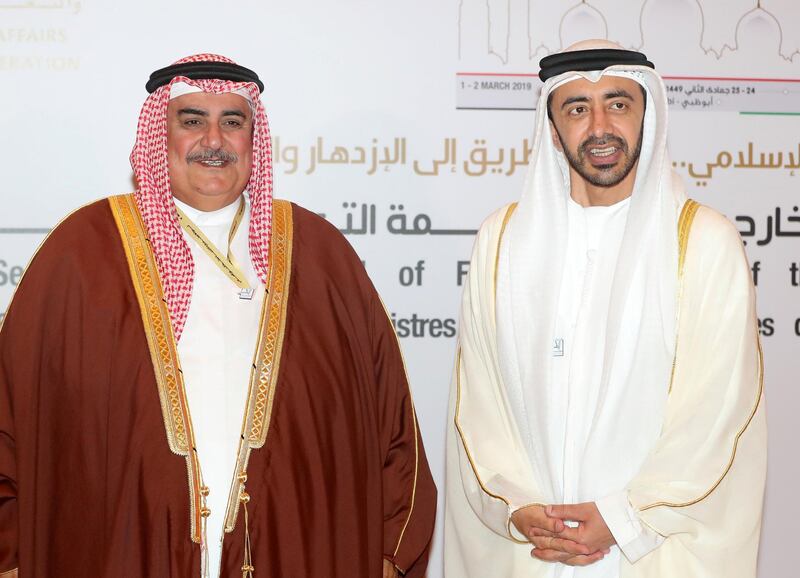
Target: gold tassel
[
  {"x": 205, "y": 512},
  {"x": 247, "y": 564}
]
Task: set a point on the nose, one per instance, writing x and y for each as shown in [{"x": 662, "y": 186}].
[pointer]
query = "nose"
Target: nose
[
  {"x": 600, "y": 122},
  {"x": 212, "y": 137}
]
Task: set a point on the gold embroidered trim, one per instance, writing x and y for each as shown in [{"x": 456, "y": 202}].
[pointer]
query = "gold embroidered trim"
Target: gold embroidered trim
[
  {"x": 9, "y": 573},
  {"x": 266, "y": 363},
  {"x": 685, "y": 221},
  {"x": 510, "y": 211},
  {"x": 161, "y": 343},
  {"x": 684, "y": 228},
  {"x": 155, "y": 316},
  {"x": 280, "y": 276}
]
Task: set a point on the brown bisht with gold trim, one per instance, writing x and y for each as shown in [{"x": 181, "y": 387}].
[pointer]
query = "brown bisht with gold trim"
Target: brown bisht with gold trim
[{"x": 98, "y": 475}]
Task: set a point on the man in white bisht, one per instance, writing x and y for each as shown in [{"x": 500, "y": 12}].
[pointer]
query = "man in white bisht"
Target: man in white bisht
[{"x": 607, "y": 415}]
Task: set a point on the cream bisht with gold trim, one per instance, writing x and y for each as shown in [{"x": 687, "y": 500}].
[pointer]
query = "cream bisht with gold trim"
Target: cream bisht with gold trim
[{"x": 695, "y": 472}]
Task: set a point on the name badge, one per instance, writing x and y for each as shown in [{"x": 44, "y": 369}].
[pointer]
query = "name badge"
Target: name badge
[{"x": 247, "y": 294}]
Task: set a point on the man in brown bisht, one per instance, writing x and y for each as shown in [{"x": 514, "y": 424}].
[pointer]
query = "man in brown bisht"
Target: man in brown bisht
[{"x": 196, "y": 380}]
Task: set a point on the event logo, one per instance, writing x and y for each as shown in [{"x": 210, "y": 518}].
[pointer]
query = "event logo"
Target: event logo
[
  {"x": 69, "y": 6},
  {"x": 27, "y": 45},
  {"x": 501, "y": 41}
]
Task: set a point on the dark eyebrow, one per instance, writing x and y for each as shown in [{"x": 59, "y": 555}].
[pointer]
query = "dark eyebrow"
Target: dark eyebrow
[
  {"x": 618, "y": 93},
  {"x": 201, "y": 112},
  {"x": 196, "y": 111},
  {"x": 573, "y": 99}
]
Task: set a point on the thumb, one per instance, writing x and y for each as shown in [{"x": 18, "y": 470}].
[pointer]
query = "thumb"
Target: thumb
[
  {"x": 575, "y": 512},
  {"x": 556, "y": 511},
  {"x": 547, "y": 523}
]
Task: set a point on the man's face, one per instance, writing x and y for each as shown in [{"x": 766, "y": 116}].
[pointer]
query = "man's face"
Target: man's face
[
  {"x": 210, "y": 148},
  {"x": 598, "y": 126}
]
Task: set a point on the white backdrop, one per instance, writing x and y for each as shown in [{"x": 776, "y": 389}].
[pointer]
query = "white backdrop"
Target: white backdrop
[{"x": 406, "y": 123}]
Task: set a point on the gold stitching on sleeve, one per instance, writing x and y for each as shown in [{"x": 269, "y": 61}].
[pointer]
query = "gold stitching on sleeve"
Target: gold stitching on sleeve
[{"x": 469, "y": 454}]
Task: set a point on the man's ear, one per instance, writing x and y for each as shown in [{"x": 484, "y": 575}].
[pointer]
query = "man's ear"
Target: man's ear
[{"x": 554, "y": 136}]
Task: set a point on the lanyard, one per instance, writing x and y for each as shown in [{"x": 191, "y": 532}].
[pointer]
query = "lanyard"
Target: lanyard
[{"x": 226, "y": 263}]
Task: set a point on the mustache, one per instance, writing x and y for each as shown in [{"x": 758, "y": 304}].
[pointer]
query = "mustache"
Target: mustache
[
  {"x": 606, "y": 139},
  {"x": 212, "y": 155}
]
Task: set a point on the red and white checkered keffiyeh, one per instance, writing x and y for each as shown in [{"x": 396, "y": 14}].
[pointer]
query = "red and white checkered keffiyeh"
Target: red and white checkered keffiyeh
[{"x": 154, "y": 197}]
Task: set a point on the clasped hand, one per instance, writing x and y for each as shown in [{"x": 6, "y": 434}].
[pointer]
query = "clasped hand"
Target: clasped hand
[{"x": 555, "y": 541}]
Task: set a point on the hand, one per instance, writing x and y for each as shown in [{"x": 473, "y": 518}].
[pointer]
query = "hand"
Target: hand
[
  {"x": 591, "y": 531},
  {"x": 543, "y": 532},
  {"x": 389, "y": 571},
  {"x": 532, "y": 521}
]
